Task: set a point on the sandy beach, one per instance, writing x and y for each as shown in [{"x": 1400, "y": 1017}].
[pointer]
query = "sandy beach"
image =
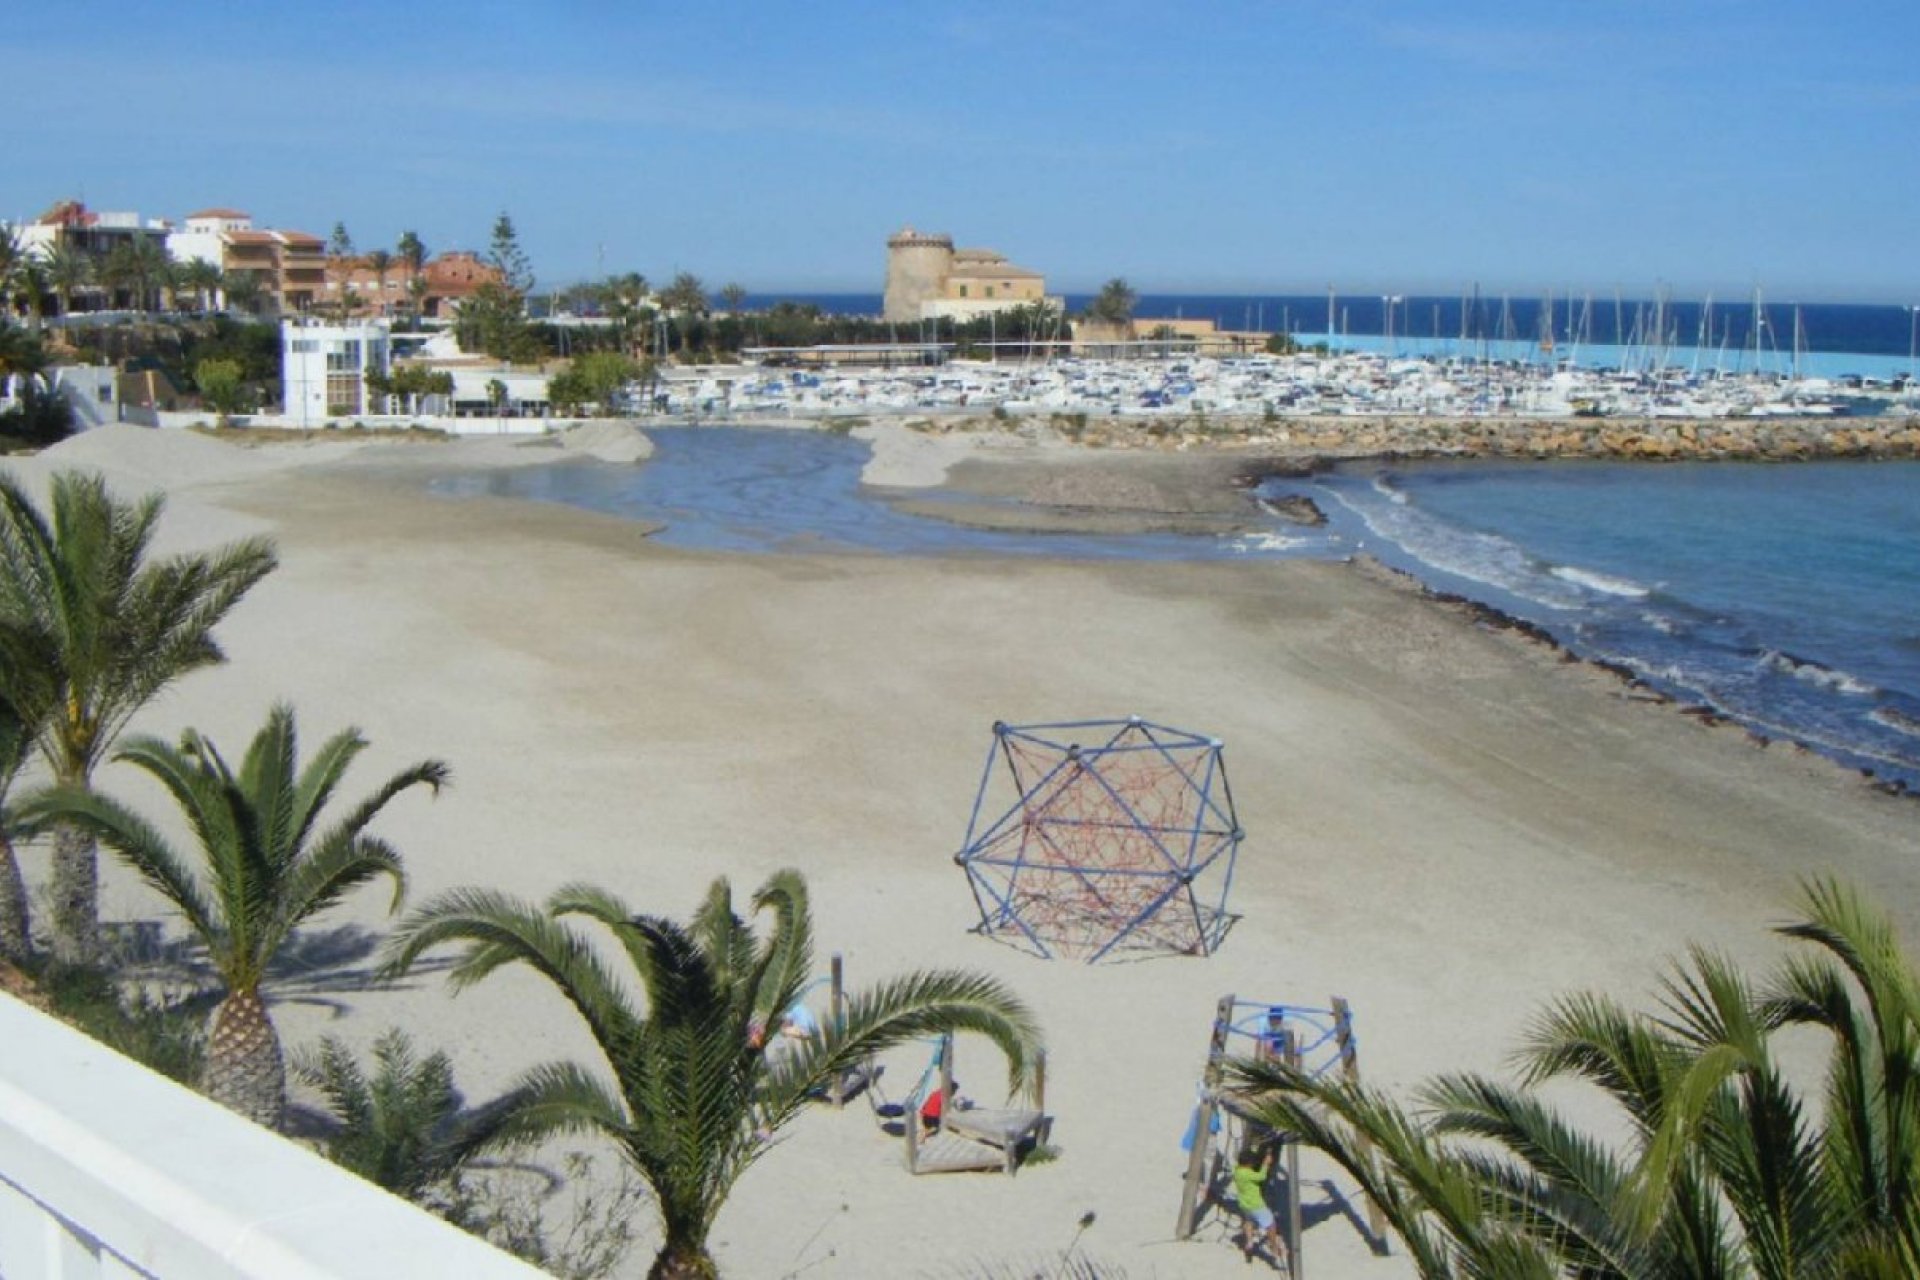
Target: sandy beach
[{"x": 1446, "y": 824}]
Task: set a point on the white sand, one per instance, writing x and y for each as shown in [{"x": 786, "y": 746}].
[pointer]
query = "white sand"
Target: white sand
[{"x": 1444, "y": 825}]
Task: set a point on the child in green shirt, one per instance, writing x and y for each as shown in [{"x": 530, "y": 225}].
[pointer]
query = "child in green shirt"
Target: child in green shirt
[{"x": 1249, "y": 1192}]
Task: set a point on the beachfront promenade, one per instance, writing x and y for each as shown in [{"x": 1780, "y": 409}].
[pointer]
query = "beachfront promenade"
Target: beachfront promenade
[{"x": 109, "y": 1170}]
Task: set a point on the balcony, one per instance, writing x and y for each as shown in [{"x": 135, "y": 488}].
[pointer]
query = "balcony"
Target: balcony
[{"x": 108, "y": 1170}]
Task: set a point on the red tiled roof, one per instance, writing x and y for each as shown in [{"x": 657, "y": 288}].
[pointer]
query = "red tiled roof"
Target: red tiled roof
[
  {"x": 250, "y": 237},
  {"x": 222, "y": 213}
]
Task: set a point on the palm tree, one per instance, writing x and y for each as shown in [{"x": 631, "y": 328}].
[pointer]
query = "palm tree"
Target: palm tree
[
  {"x": 202, "y": 278},
  {"x": 91, "y": 630},
  {"x": 1114, "y": 303},
  {"x": 265, "y": 869},
  {"x": 139, "y": 267},
  {"x": 412, "y": 254},
  {"x": 694, "y": 1101},
  {"x": 401, "y": 1125},
  {"x": 33, "y": 286},
  {"x": 13, "y": 257},
  {"x": 16, "y": 938},
  {"x": 1725, "y": 1175},
  {"x": 379, "y": 261},
  {"x": 242, "y": 289},
  {"x": 68, "y": 271},
  {"x": 686, "y": 295}
]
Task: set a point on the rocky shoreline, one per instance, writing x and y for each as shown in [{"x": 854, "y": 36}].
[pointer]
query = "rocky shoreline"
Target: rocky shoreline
[{"x": 1780, "y": 439}]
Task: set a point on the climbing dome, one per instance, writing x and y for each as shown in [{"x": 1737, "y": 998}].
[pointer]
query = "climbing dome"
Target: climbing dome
[{"x": 1102, "y": 836}]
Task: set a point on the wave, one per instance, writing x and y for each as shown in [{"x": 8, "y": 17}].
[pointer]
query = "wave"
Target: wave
[
  {"x": 1385, "y": 487},
  {"x": 1814, "y": 673},
  {"x": 1605, "y": 584},
  {"x": 1267, "y": 542},
  {"x": 1896, "y": 720},
  {"x": 1485, "y": 558}
]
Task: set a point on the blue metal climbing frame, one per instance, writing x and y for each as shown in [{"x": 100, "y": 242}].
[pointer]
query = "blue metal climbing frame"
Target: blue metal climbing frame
[{"x": 1110, "y": 835}]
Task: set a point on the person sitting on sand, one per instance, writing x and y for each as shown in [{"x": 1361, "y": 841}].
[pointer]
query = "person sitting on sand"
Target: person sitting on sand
[
  {"x": 936, "y": 1106},
  {"x": 798, "y": 1023},
  {"x": 1250, "y": 1193}
]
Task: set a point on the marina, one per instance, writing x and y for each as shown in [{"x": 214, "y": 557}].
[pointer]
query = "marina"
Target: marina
[{"x": 1305, "y": 385}]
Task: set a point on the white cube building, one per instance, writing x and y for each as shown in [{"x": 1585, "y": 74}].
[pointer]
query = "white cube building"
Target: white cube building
[{"x": 324, "y": 368}]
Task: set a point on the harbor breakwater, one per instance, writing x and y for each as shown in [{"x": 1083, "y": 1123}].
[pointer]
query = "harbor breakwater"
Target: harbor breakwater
[{"x": 1773, "y": 439}]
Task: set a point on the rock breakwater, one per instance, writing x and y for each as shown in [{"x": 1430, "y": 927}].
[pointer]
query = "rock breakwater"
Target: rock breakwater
[{"x": 1781, "y": 439}]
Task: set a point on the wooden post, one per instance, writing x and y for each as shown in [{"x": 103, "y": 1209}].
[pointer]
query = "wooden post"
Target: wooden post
[
  {"x": 910, "y": 1126},
  {"x": 945, "y": 1084},
  {"x": 837, "y": 1023},
  {"x": 1296, "y": 1269},
  {"x": 1190, "y": 1197},
  {"x": 1350, "y": 1068}
]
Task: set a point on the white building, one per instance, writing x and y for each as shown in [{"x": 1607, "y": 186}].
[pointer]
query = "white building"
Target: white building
[{"x": 324, "y": 369}]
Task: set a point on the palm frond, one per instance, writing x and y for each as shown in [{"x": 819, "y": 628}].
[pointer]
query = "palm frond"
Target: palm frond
[
  {"x": 500, "y": 930},
  {"x": 1430, "y": 1200},
  {"x": 551, "y": 1100},
  {"x": 138, "y": 843}
]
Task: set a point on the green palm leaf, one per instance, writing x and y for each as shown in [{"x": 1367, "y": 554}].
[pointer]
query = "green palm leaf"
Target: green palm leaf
[
  {"x": 258, "y": 879},
  {"x": 696, "y": 1100}
]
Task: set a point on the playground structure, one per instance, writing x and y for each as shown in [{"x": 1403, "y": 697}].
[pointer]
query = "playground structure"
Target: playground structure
[
  {"x": 1317, "y": 1042},
  {"x": 1110, "y": 835},
  {"x": 966, "y": 1137}
]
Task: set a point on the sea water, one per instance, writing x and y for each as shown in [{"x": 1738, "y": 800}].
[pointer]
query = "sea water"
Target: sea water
[
  {"x": 1785, "y": 596},
  {"x": 769, "y": 489}
]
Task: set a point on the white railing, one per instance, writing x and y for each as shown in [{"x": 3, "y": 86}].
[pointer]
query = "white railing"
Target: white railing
[{"x": 109, "y": 1170}]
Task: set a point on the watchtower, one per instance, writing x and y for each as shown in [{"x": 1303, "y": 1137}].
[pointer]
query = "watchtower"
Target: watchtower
[{"x": 918, "y": 263}]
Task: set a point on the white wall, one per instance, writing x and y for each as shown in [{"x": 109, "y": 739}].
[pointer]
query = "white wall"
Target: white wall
[{"x": 108, "y": 1170}]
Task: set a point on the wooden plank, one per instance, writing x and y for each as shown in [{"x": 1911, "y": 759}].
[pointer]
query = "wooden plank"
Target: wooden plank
[
  {"x": 950, "y": 1153},
  {"x": 1350, "y": 1067},
  {"x": 1001, "y": 1128},
  {"x": 1203, "y": 1121},
  {"x": 837, "y": 1092}
]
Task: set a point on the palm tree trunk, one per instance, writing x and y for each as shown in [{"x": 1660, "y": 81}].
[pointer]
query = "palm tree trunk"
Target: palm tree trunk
[
  {"x": 245, "y": 1069},
  {"x": 76, "y": 896},
  {"x": 16, "y": 943}
]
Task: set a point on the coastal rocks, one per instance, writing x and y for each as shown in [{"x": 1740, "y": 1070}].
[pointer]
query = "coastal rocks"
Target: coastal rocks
[
  {"x": 1296, "y": 509},
  {"x": 1652, "y": 440}
]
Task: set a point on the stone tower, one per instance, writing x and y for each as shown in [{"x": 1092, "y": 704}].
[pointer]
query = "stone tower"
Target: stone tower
[{"x": 917, "y": 267}]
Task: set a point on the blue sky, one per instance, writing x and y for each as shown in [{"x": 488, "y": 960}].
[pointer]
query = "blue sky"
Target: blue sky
[{"x": 1211, "y": 145}]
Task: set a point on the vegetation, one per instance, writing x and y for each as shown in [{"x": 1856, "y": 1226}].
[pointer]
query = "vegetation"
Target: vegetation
[
  {"x": 265, "y": 868},
  {"x": 1114, "y": 303},
  {"x": 505, "y": 253},
  {"x": 167, "y": 1035},
  {"x": 401, "y": 1125},
  {"x": 91, "y": 629},
  {"x": 410, "y": 383},
  {"x": 221, "y": 384},
  {"x": 39, "y": 418},
  {"x": 712, "y": 988},
  {"x": 1730, "y": 1171},
  {"x": 595, "y": 379},
  {"x": 16, "y": 939},
  {"x": 494, "y": 320}
]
